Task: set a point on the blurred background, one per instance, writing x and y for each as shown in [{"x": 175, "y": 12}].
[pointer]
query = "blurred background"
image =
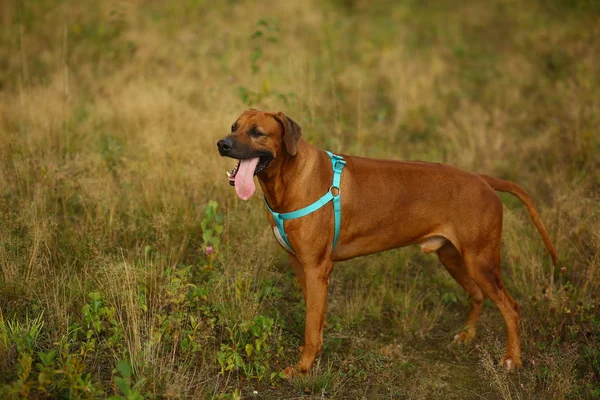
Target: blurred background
[{"x": 131, "y": 269}]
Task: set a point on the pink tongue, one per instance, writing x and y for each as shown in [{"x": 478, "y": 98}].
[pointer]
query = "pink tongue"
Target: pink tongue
[{"x": 244, "y": 179}]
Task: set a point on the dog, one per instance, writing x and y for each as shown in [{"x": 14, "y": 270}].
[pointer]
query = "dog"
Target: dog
[{"x": 381, "y": 205}]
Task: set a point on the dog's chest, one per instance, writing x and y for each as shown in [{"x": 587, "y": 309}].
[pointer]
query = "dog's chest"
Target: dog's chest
[{"x": 280, "y": 240}]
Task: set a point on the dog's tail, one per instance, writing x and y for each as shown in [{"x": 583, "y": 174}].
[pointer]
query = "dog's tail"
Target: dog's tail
[{"x": 521, "y": 194}]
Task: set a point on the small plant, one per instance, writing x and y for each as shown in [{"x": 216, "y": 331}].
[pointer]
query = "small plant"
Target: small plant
[
  {"x": 61, "y": 371},
  {"x": 123, "y": 383},
  {"x": 266, "y": 29},
  {"x": 265, "y": 34},
  {"x": 212, "y": 227},
  {"x": 250, "y": 349},
  {"x": 47, "y": 370},
  {"x": 186, "y": 319},
  {"x": 24, "y": 335},
  {"x": 100, "y": 322},
  {"x": 236, "y": 395},
  {"x": 4, "y": 338}
]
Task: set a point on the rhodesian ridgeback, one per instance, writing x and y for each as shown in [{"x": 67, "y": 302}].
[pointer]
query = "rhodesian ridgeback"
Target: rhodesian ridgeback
[{"x": 384, "y": 205}]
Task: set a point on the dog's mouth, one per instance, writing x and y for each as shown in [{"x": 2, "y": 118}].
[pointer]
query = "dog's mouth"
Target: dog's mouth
[
  {"x": 263, "y": 162},
  {"x": 242, "y": 176}
]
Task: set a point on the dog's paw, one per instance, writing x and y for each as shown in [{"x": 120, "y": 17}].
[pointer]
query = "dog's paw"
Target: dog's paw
[
  {"x": 290, "y": 372},
  {"x": 464, "y": 337},
  {"x": 510, "y": 363}
]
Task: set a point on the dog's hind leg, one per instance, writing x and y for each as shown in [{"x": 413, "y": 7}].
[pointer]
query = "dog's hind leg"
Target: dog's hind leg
[
  {"x": 484, "y": 267},
  {"x": 452, "y": 260}
]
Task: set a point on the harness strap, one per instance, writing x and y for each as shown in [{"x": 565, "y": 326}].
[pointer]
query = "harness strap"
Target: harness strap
[{"x": 337, "y": 164}]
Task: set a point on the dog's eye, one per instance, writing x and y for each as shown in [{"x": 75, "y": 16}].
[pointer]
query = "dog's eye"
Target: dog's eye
[
  {"x": 234, "y": 127},
  {"x": 255, "y": 133}
]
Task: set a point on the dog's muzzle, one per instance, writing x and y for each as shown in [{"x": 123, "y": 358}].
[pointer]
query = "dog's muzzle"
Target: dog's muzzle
[{"x": 224, "y": 146}]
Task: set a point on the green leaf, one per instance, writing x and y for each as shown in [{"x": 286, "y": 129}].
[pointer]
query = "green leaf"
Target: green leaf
[
  {"x": 124, "y": 368},
  {"x": 238, "y": 361},
  {"x": 249, "y": 349},
  {"x": 256, "y": 54},
  {"x": 123, "y": 385},
  {"x": 47, "y": 358},
  {"x": 243, "y": 94},
  {"x": 449, "y": 297}
]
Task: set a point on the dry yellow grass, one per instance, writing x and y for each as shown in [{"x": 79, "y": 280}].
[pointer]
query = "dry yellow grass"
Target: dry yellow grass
[{"x": 109, "y": 114}]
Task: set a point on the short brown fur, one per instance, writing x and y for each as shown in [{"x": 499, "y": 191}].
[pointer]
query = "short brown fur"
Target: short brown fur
[{"x": 385, "y": 205}]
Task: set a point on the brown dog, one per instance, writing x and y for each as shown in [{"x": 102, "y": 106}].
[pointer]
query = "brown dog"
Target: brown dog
[{"x": 385, "y": 205}]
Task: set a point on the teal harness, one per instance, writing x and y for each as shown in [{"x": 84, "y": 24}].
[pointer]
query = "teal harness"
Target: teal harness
[{"x": 337, "y": 164}]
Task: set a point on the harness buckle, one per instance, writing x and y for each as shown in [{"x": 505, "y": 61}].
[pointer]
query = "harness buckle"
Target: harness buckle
[
  {"x": 335, "y": 191},
  {"x": 339, "y": 166}
]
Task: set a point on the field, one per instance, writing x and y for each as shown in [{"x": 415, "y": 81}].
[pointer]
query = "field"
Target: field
[{"x": 130, "y": 269}]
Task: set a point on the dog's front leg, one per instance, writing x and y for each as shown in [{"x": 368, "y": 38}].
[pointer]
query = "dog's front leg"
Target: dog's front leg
[
  {"x": 317, "y": 282},
  {"x": 299, "y": 270}
]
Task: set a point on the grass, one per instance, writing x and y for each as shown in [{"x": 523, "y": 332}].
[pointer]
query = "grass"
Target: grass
[{"x": 130, "y": 269}]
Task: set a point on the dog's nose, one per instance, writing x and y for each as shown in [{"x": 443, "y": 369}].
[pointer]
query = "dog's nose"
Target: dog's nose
[{"x": 224, "y": 146}]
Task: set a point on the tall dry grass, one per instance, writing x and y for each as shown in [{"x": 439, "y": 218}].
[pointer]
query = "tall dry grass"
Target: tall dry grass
[{"x": 109, "y": 112}]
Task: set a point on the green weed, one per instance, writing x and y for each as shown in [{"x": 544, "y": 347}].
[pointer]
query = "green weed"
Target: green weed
[{"x": 129, "y": 268}]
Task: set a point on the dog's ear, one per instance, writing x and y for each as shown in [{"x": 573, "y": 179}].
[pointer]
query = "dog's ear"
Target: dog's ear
[{"x": 291, "y": 132}]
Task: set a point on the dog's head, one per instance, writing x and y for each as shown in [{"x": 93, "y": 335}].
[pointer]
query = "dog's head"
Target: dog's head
[{"x": 256, "y": 139}]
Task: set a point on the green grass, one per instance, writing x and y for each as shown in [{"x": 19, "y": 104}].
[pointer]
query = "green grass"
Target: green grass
[{"x": 130, "y": 268}]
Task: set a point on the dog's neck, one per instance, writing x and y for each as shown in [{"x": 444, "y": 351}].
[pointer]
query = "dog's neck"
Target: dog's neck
[{"x": 298, "y": 171}]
